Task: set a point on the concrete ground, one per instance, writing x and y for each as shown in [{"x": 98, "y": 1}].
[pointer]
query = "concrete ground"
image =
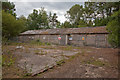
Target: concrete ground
[{"x": 40, "y": 59}]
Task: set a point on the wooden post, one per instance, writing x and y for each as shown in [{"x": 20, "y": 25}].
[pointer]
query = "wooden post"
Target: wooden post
[{"x": 66, "y": 39}]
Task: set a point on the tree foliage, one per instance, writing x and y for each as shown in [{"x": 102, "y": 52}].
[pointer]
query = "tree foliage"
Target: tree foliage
[
  {"x": 66, "y": 24},
  {"x": 113, "y": 28},
  {"x": 23, "y": 19},
  {"x": 40, "y": 20},
  {"x": 10, "y": 26},
  {"x": 92, "y": 14},
  {"x": 9, "y": 7},
  {"x": 74, "y": 15}
]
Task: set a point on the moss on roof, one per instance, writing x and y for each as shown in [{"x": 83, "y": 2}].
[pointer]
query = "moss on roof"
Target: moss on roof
[{"x": 101, "y": 29}]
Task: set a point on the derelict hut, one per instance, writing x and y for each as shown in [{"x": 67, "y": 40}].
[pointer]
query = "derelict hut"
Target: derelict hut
[{"x": 84, "y": 36}]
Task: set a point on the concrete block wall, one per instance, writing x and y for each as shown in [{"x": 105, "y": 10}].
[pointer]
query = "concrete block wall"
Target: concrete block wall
[
  {"x": 96, "y": 40},
  {"x": 53, "y": 39},
  {"x": 25, "y": 38},
  {"x": 77, "y": 40},
  {"x": 90, "y": 40}
]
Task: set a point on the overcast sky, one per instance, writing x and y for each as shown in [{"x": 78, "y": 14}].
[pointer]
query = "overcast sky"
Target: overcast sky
[{"x": 60, "y": 8}]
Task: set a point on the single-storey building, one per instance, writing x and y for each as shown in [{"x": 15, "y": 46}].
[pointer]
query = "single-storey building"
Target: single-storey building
[{"x": 84, "y": 36}]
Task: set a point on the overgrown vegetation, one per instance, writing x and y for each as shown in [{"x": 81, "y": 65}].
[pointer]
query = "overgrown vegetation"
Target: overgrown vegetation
[
  {"x": 10, "y": 26},
  {"x": 38, "y": 42},
  {"x": 95, "y": 62},
  {"x": 8, "y": 60},
  {"x": 25, "y": 73},
  {"x": 113, "y": 28}
]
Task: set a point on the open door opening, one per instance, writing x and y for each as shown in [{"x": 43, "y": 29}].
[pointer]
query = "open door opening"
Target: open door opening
[{"x": 69, "y": 39}]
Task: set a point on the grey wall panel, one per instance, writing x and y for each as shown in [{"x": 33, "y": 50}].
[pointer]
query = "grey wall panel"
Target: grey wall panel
[{"x": 90, "y": 40}]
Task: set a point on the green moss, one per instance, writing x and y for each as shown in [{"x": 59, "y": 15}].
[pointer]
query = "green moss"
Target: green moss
[{"x": 60, "y": 62}]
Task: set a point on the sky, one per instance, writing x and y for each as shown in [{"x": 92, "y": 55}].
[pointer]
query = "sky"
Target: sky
[{"x": 60, "y": 8}]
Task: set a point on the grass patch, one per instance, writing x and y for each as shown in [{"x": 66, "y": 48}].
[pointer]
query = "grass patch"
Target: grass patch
[
  {"x": 0, "y": 61},
  {"x": 41, "y": 52},
  {"x": 72, "y": 57},
  {"x": 59, "y": 63},
  {"x": 36, "y": 51},
  {"x": 95, "y": 62},
  {"x": 98, "y": 63},
  {"x": 25, "y": 73},
  {"x": 67, "y": 48},
  {"x": 48, "y": 43},
  {"x": 7, "y": 60},
  {"x": 38, "y": 42}
]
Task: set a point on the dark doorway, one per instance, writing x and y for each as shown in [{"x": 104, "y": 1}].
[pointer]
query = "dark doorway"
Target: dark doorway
[{"x": 69, "y": 39}]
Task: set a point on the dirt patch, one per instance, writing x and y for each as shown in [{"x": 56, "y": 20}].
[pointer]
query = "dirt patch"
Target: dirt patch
[
  {"x": 79, "y": 62},
  {"x": 95, "y": 64}
]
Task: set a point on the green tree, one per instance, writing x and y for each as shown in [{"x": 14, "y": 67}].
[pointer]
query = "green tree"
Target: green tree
[
  {"x": 66, "y": 25},
  {"x": 37, "y": 19},
  {"x": 10, "y": 26},
  {"x": 23, "y": 19},
  {"x": 113, "y": 28},
  {"x": 9, "y": 7},
  {"x": 82, "y": 24},
  {"x": 75, "y": 14},
  {"x": 32, "y": 20},
  {"x": 58, "y": 25},
  {"x": 53, "y": 22},
  {"x": 44, "y": 18}
]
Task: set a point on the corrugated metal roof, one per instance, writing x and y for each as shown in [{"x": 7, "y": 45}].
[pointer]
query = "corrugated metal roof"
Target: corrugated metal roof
[{"x": 101, "y": 29}]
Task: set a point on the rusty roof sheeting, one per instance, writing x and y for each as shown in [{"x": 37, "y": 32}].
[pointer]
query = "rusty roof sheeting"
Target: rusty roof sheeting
[{"x": 101, "y": 29}]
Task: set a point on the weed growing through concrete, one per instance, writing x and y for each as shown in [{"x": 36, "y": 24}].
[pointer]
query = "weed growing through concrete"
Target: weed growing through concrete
[
  {"x": 8, "y": 61},
  {"x": 36, "y": 51},
  {"x": 96, "y": 62},
  {"x": 59, "y": 63},
  {"x": 25, "y": 70}
]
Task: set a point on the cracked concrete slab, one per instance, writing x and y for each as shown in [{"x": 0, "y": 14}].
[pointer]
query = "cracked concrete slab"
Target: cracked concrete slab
[{"x": 34, "y": 62}]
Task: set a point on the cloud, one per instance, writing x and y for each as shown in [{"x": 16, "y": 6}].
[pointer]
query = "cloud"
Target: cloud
[{"x": 60, "y": 8}]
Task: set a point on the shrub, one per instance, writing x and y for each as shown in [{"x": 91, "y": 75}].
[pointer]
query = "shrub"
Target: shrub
[{"x": 113, "y": 28}]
